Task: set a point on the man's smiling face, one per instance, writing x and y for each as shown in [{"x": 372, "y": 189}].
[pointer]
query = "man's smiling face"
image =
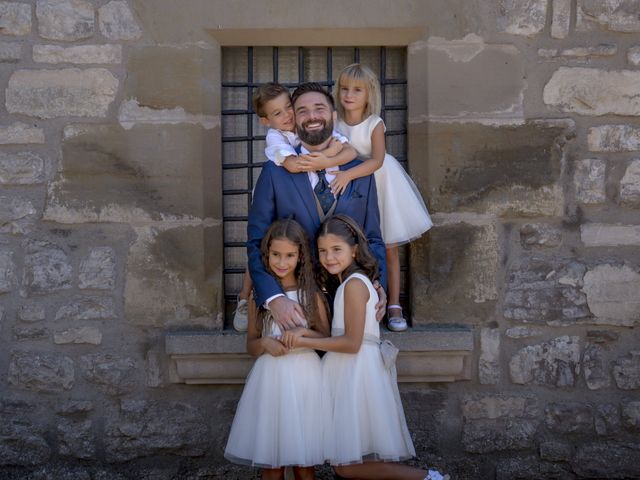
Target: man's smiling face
[{"x": 314, "y": 118}]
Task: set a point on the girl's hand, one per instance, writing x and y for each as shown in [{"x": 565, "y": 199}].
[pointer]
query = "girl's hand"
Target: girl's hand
[
  {"x": 273, "y": 347},
  {"x": 290, "y": 338},
  {"x": 339, "y": 184}
]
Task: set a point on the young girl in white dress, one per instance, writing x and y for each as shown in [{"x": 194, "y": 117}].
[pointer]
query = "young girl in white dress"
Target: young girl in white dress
[
  {"x": 278, "y": 422},
  {"x": 365, "y": 429},
  {"x": 403, "y": 214}
]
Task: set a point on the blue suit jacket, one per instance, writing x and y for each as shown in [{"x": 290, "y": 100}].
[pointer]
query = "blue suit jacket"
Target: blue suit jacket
[{"x": 281, "y": 194}]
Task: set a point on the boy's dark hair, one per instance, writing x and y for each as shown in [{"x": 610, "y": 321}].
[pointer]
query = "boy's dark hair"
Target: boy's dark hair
[
  {"x": 311, "y": 87},
  {"x": 265, "y": 93}
]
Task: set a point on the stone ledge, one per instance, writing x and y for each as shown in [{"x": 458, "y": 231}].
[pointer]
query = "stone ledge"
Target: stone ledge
[{"x": 428, "y": 354}]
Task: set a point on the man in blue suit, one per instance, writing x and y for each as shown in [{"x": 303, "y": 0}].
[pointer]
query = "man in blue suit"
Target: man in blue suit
[{"x": 301, "y": 196}]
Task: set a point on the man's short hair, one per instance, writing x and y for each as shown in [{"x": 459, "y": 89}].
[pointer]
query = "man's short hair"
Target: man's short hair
[
  {"x": 311, "y": 87},
  {"x": 265, "y": 93}
]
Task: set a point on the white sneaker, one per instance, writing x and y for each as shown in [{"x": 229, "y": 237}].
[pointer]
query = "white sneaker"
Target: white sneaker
[
  {"x": 240, "y": 316},
  {"x": 435, "y": 475}
]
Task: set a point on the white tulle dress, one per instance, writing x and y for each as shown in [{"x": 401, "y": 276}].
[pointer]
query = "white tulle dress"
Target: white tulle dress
[
  {"x": 403, "y": 214},
  {"x": 362, "y": 410},
  {"x": 278, "y": 420}
]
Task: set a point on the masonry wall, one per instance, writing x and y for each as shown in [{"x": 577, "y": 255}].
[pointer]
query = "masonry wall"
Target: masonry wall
[{"x": 524, "y": 138}]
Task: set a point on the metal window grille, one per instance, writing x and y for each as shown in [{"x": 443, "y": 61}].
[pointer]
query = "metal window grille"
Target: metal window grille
[{"x": 243, "y": 137}]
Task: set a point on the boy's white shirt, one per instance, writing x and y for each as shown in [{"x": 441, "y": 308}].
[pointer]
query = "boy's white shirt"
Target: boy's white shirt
[{"x": 282, "y": 144}]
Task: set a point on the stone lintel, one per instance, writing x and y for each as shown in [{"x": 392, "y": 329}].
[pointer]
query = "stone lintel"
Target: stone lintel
[{"x": 436, "y": 354}]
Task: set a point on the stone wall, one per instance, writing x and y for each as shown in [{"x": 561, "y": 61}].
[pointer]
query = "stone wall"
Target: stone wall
[{"x": 524, "y": 137}]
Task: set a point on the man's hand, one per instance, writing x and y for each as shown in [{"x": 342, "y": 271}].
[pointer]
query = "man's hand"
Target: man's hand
[
  {"x": 381, "y": 306},
  {"x": 286, "y": 313}
]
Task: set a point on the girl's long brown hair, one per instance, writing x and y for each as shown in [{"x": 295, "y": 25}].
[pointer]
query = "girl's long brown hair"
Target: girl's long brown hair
[
  {"x": 346, "y": 228},
  {"x": 308, "y": 291}
]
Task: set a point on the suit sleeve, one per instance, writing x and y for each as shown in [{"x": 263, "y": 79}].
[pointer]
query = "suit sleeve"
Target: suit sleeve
[
  {"x": 261, "y": 216},
  {"x": 373, "y": 233}
]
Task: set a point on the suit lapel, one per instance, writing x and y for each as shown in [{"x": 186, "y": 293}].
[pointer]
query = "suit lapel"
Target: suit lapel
[{"x": 303, "y": 186}]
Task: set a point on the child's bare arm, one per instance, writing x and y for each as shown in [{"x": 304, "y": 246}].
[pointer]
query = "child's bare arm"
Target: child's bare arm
[
  {"x": 367, "y": 167},
  {"x": 356, "y": 295},
  {"x": 320, "y": 330}
]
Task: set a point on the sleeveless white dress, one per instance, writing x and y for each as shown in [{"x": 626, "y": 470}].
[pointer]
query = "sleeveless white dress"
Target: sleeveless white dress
[
  {"x": 362, "y": 410},
  {"x": 403, "y": 214},
  {"x": 278, "y": 420}
]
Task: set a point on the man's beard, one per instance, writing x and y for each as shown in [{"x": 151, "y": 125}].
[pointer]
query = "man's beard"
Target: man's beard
[{"x": 315, "y": 137}]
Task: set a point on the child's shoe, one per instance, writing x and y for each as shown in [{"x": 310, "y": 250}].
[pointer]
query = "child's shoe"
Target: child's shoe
[
  {"x": 396, "y": 323},
  {"x": 240, "y": 316}
]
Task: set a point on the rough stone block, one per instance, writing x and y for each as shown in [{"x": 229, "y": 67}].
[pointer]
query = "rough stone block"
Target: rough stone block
[
  {"x": 44, "y": 372},
  {"x": 30, "y": 332},
  {"x": 589, "y": 180},
  {"x": 585, "y": 53},
  {"x": 8, "y": 277},
  {"x": 633, "y": 56},
  {"x": 79, "y": 54},
  {"x": 98, "y": 270},
  {"x": 530, "y": 468},
  {"x": 607, "y": 235},
  {"x": 507, "y": 170},
  {"x": 23, "y": 168},
  {"x": 607, "y": 419},
  {"x": 66, "y": 20},
  {"x": 630, "y": 185},
  {"x": 614, "y": 138},
  {"x": 143, "y": 428},
  {"x": 555, "y": 451},
  {"x": 631, "y": 416},
  {"x": 540, "y": 235},
  {"x": 596, "y": 368},
  {"x": 166, "y": 283},
  {"x": 483, "y": 436},
  {"x": 166, "y": 77},
  {"x": 47, "y": 268},
  {"x": 117, "y": 22},
  {"x": 591, "y": 91},
  {"x": 73, "y": 407},
  {"x": 522, "y": 18},
  {"x": 76, "y": 439},
  {"x": 90, "y": 335},
  {"x": 626, "y": 371},
  {"x": 15, "y": 18},
  {"x": 10, "y": 52},
  {"x": 21, "y": 443},
  {"x": 113, "y": 375},
  {"x": 613, "y": 15},
  {"x": 554, "y": 363},
  {"x": 87, "y": 308},
  {"x": 499, "y": 406},
  {"x": 522, "y": 332},
  {"x": 31, "y": 313},
  {"x": 19, "y": 133},
  {"x": 569, "y": 417},
  {"x": 68, "y": 92},
  {"x": 17, "y": 215},
  {"x": 108, "y": 174},
  {"x": 490, "y": 78},
  {"x": 545, "y": 291},
  {"x": 455, "y": 271},
  {"x": 596, "y": 460},
  {"x": 561, "y": 18},
  {"x": 612, "y": 294},
  {"x": 489, "y": 363}
]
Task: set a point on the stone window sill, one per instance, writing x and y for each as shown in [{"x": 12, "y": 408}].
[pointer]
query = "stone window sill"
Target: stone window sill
[{"x": 431, "y": 354}]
